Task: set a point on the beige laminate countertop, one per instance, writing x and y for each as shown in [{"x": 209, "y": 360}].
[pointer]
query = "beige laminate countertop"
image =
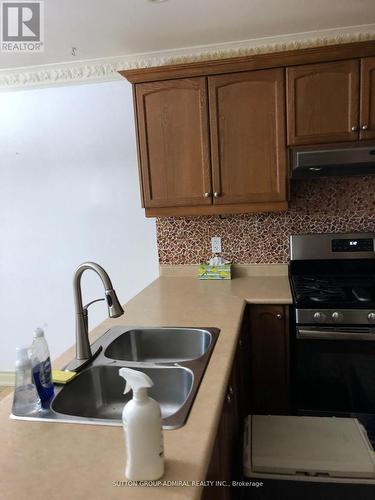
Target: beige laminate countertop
[{"x": 58, "y": 461}]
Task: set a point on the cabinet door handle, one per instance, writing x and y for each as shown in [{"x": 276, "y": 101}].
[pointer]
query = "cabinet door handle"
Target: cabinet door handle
[
  {"x": 364, "y": 127},
  {"x": 279, "y": 316},
  {"x": 207, "y": 195},
  {"x": 355, "y": 128},
  {"x": 216, "y": 194}
]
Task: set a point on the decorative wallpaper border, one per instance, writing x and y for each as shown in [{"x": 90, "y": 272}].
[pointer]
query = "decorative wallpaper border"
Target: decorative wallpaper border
[
  {"x": 106, "y": 69},
  {"x": 325, "y": 205}
]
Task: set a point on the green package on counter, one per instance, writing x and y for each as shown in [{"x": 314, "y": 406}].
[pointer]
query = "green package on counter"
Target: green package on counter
[{"x": 220, "y": 272}]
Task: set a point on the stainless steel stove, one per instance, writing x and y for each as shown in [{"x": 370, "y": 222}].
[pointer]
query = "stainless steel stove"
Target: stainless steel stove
[{"x": 332, "y": 278}]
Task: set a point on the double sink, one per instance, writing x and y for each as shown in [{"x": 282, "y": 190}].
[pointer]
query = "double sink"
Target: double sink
[{"x": 174, "y": 358}]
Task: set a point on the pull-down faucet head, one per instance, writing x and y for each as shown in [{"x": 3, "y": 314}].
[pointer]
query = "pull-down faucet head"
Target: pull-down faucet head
[
  {"x": 83, "y": 349},
  {"x": 114, "y": 307}
]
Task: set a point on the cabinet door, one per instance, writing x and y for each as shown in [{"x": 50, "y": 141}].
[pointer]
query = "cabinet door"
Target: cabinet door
[
  {"x": 367, "y": 121},
  {"x": 173, "y": 139},
  {"x": 223, "y": 455},
  {"x": 269, "y": 359},
  {"x": 226, "y": 459},
  {"x": 248, "y": 149},
  {"x": 323, "y": 102}
]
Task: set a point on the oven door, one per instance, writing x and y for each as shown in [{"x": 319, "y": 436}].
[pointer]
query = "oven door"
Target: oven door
[{"x": 334, "y": 370}]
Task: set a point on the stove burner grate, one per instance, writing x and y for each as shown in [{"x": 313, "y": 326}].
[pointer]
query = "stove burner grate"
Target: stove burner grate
[
  {"x": 334, "y": 289},
  {"x": 318, "y": 290}
]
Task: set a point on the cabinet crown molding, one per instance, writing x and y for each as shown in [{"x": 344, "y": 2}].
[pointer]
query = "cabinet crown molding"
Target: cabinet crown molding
[{"x": 106, "y": 69}]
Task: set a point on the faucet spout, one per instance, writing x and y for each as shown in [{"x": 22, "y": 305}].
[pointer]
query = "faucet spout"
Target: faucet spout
[{"x": 83, "y": 349}]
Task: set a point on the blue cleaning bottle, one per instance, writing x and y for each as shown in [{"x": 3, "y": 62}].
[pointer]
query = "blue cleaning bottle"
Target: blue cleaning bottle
[{"x": 42, "y": 372}]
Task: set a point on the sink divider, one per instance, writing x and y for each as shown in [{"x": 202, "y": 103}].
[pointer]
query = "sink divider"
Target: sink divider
[{"x": 195, "y": 366}]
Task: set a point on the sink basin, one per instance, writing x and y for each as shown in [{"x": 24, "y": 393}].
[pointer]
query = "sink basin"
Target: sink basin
[
  {"x": 174, "y": 358},
  {"x": 98, "y": 392},
  {"x": 161, "y": 345}
]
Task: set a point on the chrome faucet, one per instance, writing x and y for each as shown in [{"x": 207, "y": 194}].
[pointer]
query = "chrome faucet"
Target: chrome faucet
[{"x": 83, "y": 349}]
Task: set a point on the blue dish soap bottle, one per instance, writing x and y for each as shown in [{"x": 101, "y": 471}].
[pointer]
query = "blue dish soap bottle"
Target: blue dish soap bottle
[{"x": 42, "y": 372}]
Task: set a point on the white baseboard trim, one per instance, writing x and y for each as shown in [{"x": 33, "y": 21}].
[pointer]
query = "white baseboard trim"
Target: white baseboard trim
[{"x": 7, "y": 378}]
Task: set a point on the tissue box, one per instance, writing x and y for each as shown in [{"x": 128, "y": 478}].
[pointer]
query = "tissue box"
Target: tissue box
[{"x": 221, "y": 272}]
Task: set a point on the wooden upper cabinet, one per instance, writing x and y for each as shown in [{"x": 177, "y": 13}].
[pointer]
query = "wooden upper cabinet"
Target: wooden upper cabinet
[
  {"x": 367, "y": 114},
  {"x": 248, "y": 150},
  {"x": 173, "y": 140},
  {"x": 323, "y": 102},
  {"x": 213, "y": 135}
]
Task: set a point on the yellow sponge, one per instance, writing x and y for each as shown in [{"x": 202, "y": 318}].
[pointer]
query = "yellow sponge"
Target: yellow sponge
[{"x": 62, "y": 377}]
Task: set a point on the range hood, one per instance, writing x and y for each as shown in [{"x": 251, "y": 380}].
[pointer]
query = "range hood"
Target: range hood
[{"x": 338, "y": 159}]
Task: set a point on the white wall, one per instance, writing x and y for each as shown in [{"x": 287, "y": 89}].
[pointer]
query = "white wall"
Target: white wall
[{"x": 68, "y": 193}]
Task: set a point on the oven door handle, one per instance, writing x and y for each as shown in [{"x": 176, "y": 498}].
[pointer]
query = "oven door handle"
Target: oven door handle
[{"x": 305, "y": 333}]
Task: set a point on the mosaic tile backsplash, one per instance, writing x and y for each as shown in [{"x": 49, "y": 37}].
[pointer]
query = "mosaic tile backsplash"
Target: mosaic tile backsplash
[{"x": 324, "y": 205}]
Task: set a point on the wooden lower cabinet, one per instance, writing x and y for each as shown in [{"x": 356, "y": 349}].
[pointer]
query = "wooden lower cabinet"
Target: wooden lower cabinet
[
  {"x": 269, "y": 359},
  {"x": 226, "y": 453},
  {"x": 259, "y": 383},
  {"x": 226, "y": 460}
]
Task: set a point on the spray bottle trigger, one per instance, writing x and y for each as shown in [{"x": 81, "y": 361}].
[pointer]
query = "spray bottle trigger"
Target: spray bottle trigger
[{"x": 127, "y": 387}]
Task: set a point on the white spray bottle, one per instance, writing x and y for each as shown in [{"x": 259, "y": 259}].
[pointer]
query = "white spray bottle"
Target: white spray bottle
[{"x": 141, "y": 418}]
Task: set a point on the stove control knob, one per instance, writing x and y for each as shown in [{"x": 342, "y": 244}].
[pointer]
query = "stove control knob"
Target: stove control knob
[
  {"x": 319, "y": 317},
  {"x": 337, "y": 317},
  {"x": 371, "y": 317}
]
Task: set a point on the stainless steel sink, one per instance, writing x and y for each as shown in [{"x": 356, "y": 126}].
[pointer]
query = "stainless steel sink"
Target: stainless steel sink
[
  {"x": 174, "y": 358},
  {"x": 161, "y": 345},
  {"x": 98, "y": 392}
]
